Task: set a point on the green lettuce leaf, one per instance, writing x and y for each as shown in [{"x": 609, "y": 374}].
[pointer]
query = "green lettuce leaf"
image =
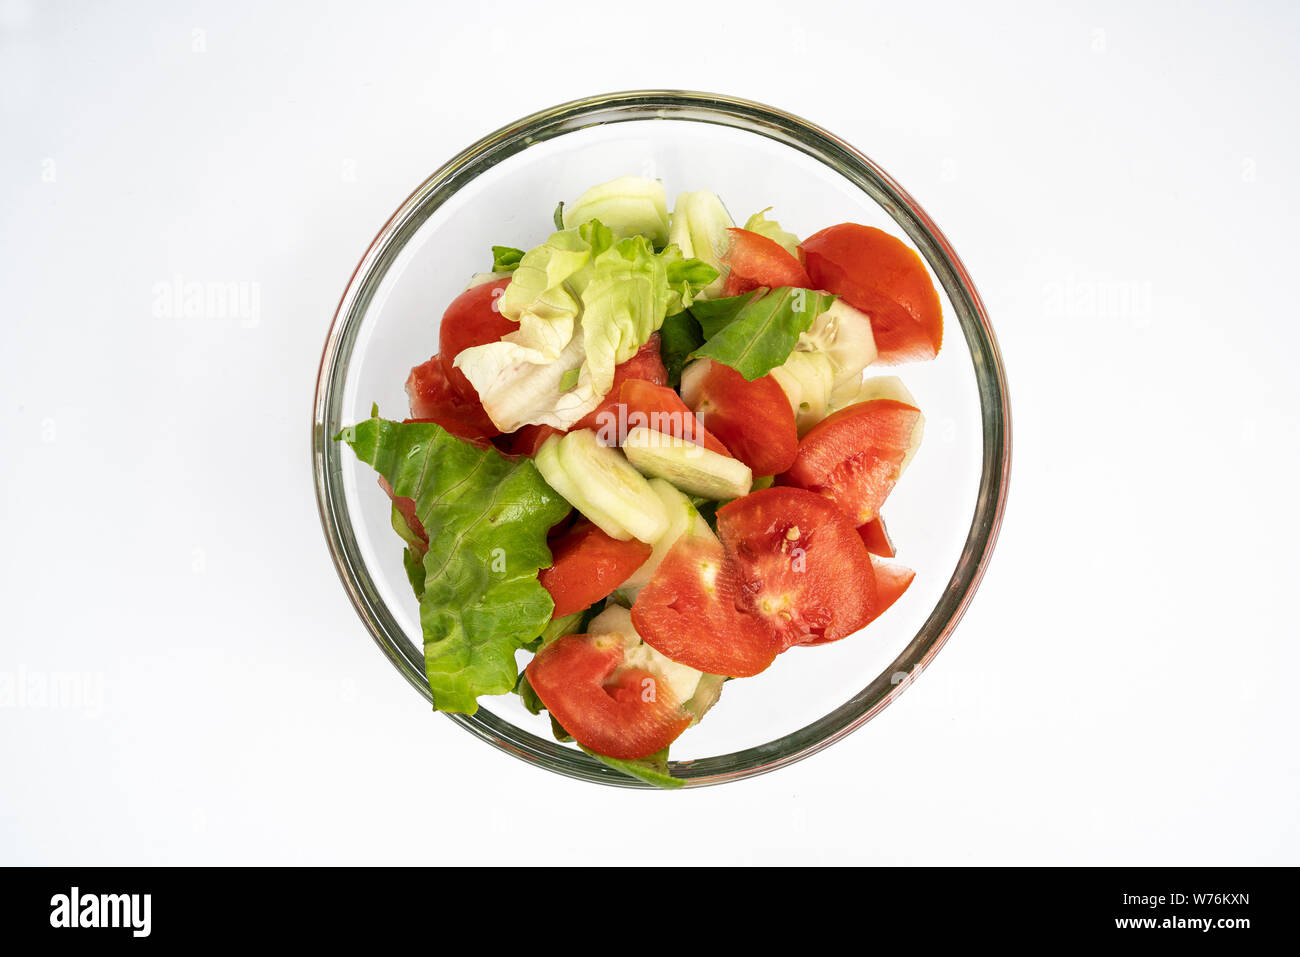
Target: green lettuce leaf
[
  {"x": 770, "y": 228},
  {"x": 764, "y": 331},
  {"x": 652, "y": 769},
  {"x": 615, "y": 292},
  {"x": 714, "y": 315},
  {"x": 487, "y": 517},
  {"x": 679, "y": 336},
  {"x": 505, "y": 258},
  {"x": 628, "y": 205}
]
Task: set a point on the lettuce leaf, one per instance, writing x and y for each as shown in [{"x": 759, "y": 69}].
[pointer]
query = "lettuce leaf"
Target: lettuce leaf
[
  {"x": 628, "y": 205},
  {"x": 679, "y": 336},
  {"x": 652, "y": 769},
  {"x": 487, "y": 517},
  {"x": 762, "y": 332},
  {"x": 771, "y": 229},
  {"x": 505, "y": 258},
  {"x": 615, "y": 292},
  {"x": 714, "y": 315}
]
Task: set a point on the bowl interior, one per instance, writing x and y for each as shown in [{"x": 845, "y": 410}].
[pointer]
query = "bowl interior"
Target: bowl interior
[{"x": 392, "y": 313}]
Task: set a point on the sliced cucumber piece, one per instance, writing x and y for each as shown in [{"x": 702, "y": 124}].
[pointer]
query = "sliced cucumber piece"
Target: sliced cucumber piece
[
  {"x": 608, "y": 490},
  {"x": 629, "y": 205},
  {"x": 680, "y": 679},
  {"x": 707, "y": 693},
  {"x": 698, "y": 226},
  {"x": 876, "y": 387},
  {"x": 843, "y": 335},
  {"x": 692, "y": 383},
  {"x": 683, "y": 519},
  {"x": 549, "y": 464},
  {"x": 690, "y": 467},
  {"x": 807, "y": 379},
  {"x": 479, "y": 278}
]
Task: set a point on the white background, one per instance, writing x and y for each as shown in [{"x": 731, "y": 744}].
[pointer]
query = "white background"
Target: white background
[{"x": 1121, "y": 184}]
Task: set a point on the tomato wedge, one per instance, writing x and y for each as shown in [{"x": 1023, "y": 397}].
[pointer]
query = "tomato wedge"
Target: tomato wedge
[
  {"x": 883, "y": 277},
  {"x": 587, "y": 565},
  {"x": 802, "y": 566},
  {"x": 756, "y": 261},
  {"x": 892, "y": 579},
  {"x": 645, "y": 365},
  {"x": 434, "y": 400},
  {"x": 876, "y": 537},
  {"x": 693, "y": 611},
  {"x": 753, "y": 420},
  {"x": 472, "y": 319},
  {"x": 646, "y": 405},
  {"x": 624, "y": 713},
  {"x": 853, "y": 457},
  {"x": 527, "y": 439}
]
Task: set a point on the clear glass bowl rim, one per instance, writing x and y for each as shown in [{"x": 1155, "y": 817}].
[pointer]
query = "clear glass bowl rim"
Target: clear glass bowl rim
[{"x": 755, "y": 118}]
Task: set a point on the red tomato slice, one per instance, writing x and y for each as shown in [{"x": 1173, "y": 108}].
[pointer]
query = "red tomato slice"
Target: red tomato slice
[
  {"x": 643, "y": 404},
  {"x": 892, "y": 579},
  {"x": 529, "y": 438},
  {"x": 434, "y": 400},
  {"x": 853, "y": 456},
  {"x": 587, "y": 565},
  {"x": 472, "y": 319},
  {"x": 758, "y": 261},
  {"x": 624, "y": 713},
  {"x": 693, "y": 612},
  {"x": 876, "y": 537},
  {"x": 882, "y": 276},
  {"x": 753, "y": 420},
  {"x": 802, "y": 566},
  {"x": 645, "y": 365}
]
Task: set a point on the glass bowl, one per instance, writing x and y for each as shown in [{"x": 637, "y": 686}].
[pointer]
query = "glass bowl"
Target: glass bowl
[{"x": 943, "y": 517}]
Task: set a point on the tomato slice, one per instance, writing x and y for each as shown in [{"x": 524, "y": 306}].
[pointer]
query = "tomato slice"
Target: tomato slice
[
  {"x": 892, "y": 579},
  {"x": 434, "y": 400},
  {"x": 527, "y": 439},
  {"x": 693, "y": 611},
  {"x": 853, "y": 457},
  {"x": 645, "y": 365},
  {"x": 802, "y": 566},
  {"x": 624, "y": 713},
  {"x": 587, "y": 565},
  {"x": 756, "y": 261},
  {"x": 472, "y": 319},
  {"x": 646, "y": 405},
  {"x": 876, "y": 537},
  {"x": 753, "y": 420},
  {"x": 883, "y": 277}
]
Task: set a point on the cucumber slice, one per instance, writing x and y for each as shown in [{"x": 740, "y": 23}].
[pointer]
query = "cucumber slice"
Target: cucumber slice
[
  {"x": 548, "y": 463},
  {"x": 629, "y": 205},
  {"x": 603, "y": 486},
  {"x": 690, "y": 467},
  {"x": 683, "y": 519},
  {"x": 680, "y": 679},
  {"x": 843, "y": 335},
  {"x": 699, "y": 226},
  {"x": 807, "y": 378}
]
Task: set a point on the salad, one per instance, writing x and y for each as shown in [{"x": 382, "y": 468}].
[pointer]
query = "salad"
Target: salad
[{"x": 650, "y": 452}]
